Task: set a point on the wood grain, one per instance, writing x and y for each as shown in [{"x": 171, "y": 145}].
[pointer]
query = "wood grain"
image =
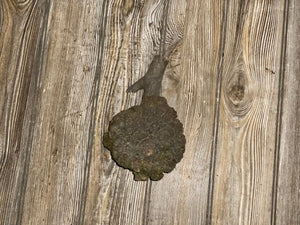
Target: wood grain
[
  {"x": 119, "y": 199},
  {"x": 20, "y": 64},
  {"x": 48, "y": 109},
  {"x": 193, "y": 96},
  {"x": 288, "y": 198},
  {"x": 232, "y": 77},
  {"x": 242, "y": 188}
]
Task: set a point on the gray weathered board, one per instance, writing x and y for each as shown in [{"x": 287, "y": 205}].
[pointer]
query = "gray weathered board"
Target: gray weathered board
[{"x": 233, "y": 77}]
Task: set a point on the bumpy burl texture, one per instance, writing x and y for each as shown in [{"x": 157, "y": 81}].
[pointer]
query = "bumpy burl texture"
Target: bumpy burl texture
[{"x": 146, "y": 139}]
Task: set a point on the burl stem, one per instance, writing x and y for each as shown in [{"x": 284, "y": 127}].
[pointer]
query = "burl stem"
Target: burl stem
[{"x": 151, "y": 82}]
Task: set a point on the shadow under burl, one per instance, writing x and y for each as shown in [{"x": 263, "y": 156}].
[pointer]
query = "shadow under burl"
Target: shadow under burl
[{"x": 148, "y": 138}]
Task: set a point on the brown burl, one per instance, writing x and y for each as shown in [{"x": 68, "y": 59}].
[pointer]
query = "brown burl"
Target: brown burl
[{"x": 147, "y": 139}]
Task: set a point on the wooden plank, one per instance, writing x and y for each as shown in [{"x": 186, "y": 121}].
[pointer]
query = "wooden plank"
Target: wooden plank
[
  {"x": 47, "y": 109},
  {"x": 242, "y": 188},
  {"x": 61, "y": 148},
  {"x": 288, "y": 198},
  {"x": 135, "y": 38},
  {"x": 21, "y": 40},
  {"x": 181, "y": 196}
]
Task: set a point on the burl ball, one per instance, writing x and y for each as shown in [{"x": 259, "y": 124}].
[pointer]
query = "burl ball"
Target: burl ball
[{"x": 147, "y": 139}]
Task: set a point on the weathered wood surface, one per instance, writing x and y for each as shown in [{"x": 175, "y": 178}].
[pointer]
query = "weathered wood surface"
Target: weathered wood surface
[
  {"x": 245, "y": 151},
  {"x": 288, "y": 188},
  {"x": 233, "y": 78}
]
